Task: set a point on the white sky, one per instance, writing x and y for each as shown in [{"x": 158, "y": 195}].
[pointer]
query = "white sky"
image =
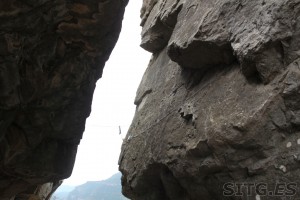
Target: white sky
[{"x": 98, "y": 153}]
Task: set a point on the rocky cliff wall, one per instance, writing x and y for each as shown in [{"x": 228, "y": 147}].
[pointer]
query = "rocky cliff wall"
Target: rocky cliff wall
[
  {"x": 219, "y": 102},
  {"x": 51, "y": 54}
]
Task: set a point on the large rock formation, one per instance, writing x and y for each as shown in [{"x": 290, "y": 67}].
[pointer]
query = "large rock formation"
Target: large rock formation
[
  {"x": 219, "y": 102},
  {"x": 52, "y": 53}
]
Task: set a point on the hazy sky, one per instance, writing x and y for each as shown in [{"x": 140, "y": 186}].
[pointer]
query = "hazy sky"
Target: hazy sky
[{"x": 98, "y": 152}]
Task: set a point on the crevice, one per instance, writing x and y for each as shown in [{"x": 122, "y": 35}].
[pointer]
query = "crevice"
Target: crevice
[
  {"x": 265, "y": 65},
  {"x": 250, "y": 72}
]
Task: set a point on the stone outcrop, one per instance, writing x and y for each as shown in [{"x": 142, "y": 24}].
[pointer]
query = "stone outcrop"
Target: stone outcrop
[
  {"x": 219, "y": 102},
  {"x": 51, "y": 53}
]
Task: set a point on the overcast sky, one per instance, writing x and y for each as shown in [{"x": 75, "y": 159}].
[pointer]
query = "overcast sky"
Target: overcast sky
[{"x": 98, "y": 152}]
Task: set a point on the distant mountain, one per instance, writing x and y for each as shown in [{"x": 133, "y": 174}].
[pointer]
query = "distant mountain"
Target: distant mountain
[
  {"x": 109, "y": 189},
  {"x": 62, "y": 192}
]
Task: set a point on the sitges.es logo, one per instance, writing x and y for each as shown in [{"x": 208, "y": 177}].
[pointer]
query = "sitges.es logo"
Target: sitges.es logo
[{"x": 261, "y": 189}]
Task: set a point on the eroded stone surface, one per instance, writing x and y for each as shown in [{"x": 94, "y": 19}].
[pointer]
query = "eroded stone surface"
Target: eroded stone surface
[
  {"x": 209, "y": 33},
  {"x": 51, "y": 55},
  {"x": 158, "y": 20},
  {"x": 218, "y": 103}
]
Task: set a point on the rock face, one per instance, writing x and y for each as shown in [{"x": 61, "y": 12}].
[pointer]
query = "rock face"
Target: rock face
[
  {"x": 219, "y": 102},
  {"x": 51, "y": 53}
]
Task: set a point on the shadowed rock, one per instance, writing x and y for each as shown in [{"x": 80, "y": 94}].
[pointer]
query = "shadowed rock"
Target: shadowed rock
[{"x": 51, "y": 54}]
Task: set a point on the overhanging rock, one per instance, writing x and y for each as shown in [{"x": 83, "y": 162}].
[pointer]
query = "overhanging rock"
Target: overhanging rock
[{"x": 51, "y": 54}]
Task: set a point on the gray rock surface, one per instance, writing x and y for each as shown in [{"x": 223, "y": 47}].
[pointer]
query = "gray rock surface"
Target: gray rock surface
[
  {"x": 218, "y": 103},
  {"x": 52, "y": 52}
]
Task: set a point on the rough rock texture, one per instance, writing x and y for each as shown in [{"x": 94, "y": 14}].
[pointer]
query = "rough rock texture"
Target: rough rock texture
[
  {"x": 51, "y": 52},
  {"x": 219, "y": 102},
  {"x": 40, "y": 192}
]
